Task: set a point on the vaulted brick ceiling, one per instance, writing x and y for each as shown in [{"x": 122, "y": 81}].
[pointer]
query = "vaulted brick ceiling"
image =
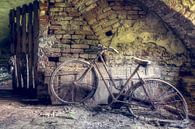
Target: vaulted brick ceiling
[{"x": 179, "y": 15}]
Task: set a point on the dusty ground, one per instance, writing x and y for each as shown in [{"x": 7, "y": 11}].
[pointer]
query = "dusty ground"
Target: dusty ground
[{"x": 15, "y": 115}]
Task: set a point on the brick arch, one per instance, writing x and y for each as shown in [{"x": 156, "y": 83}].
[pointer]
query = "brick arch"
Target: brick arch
[
  {"x": 177, "y": 14},
  {"x": 94, "y": 14},
  {"x": 103, "y": 17}
]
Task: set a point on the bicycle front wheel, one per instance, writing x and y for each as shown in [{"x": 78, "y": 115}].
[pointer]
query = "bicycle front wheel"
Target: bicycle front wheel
[
  {"x": 157, "y": 100},
  {"x": 63, "y": 80}
]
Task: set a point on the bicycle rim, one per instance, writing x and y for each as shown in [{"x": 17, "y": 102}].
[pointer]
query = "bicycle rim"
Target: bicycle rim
[
  {"x": 160, "y": 101},
  {"x": 62, "y": 82}
]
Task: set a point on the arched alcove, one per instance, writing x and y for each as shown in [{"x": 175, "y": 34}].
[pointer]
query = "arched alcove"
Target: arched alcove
[
  {"x": 161, "y": 31},
  {"x": 135, "y": 31}
]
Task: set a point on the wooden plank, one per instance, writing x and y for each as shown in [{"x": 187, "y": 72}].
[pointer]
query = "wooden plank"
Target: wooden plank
[
  {"x": 11, "y": 25},
  {"x": 35, "y": 39},
  {"x": 24, "y": 48},
  {"x": 24, "y": 31},
  {"x": 24, "y": 10},
  {"x": 18, "y": 30},
  {"x": 18, "y": 45},
  {"x": 30, "y": 43},
  {"x": 12, "y": 40}
]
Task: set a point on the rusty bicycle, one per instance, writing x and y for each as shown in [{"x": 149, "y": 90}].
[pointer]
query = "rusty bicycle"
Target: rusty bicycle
[{"x": 76, "y": 81}]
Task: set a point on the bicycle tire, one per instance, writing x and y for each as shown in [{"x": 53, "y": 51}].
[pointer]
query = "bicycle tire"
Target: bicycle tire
[
  {"x": 62, "y": 82},
  {"x": 160, "y": 101}
]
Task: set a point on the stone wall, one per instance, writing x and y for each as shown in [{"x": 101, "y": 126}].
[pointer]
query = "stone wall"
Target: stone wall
[
  {"x": 180, "y": 16},
  {"x": 160, "y": 31},
  {"x": 66, "y": 35},
  {"x": 133, "y": 27},
  {"x": 70, "y": 29}
]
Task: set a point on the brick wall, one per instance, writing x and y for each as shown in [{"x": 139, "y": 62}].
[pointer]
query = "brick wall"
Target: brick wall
[
  {"x": 180, "y": 16},
  {"x": 70, "y": 29}
]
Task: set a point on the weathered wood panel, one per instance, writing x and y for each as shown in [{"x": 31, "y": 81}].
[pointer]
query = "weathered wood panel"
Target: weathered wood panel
[
  {"x": 12, "y": 26},
  {"x": 24, "y": 33},
  {"x": 35, "y": 38},
  {"x": 30, "y": 43},
  {"x": 18, "y": 47}
]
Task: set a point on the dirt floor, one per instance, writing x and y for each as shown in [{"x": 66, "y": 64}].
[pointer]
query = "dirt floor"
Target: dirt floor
[{"x": 17, "y": 115}]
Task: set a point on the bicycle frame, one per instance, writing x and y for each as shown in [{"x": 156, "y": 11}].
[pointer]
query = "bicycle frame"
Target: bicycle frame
[
  {"x": 93, "y": 64},
  {"x": 145, "y": 97}
]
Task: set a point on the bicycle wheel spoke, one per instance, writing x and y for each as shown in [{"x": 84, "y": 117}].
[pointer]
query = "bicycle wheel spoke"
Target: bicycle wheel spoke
[
  {"x": 60, "y": 87},
  {"x": 141, "y": 101},
  {"x": 64, "y": 79},
  {"x": 169, "y": 96},
  {"x": 178, "y": 107},
  {"x": 158, "y": 101},
  {"x": 164, "y": 93},
  {"x": 150, "y": 92},
  {"x": 146, "y": 92},
  {"x": 168, "y": 103},
  {"x": 85, "y": 86},
  {"x": 65, "y": 95},
  {"x": 174, "y": 111},
  {"x": 140, "y": 105}
]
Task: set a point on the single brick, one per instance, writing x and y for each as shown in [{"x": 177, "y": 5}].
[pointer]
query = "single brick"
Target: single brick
[
  {"x": 55, "y": 27},
  {"x": 107, "y": 9},
  {"x": 76, "y": 51},
  {"x": 90, "y": 7},
  {"x": 110, "y": 23},
  {"x": 66, "y": 50},
  {"x": 89, "y": 2},
  {"x": 61, "y": 1},
  {"x": 64, "y": 46},
  {"x": 66, "y": 36},
  {"x": 80, "y": 46},
  {"x": 58, "y": 36},
  {"x": 59, "y": 32},
  {"x": 63, "y": 5},
  {"x": 77, "y": 36},
  {"x": 56, "y": 9},
  {"x": 85, "y": 56}
]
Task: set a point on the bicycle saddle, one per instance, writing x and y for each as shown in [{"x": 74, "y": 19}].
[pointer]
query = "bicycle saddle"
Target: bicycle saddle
[{"x": 141, "y": 62}]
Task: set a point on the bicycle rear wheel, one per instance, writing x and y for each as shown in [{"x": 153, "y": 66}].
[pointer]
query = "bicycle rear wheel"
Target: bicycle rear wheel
[
  {"x": 157, "y": 100},
  {"x": 63, "y": 84}
]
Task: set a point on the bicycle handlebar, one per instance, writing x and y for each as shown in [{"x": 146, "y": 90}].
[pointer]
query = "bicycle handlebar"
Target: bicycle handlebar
[
  {"x": 108, "y": 49},
  {"x": 112, "y": 50}
]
